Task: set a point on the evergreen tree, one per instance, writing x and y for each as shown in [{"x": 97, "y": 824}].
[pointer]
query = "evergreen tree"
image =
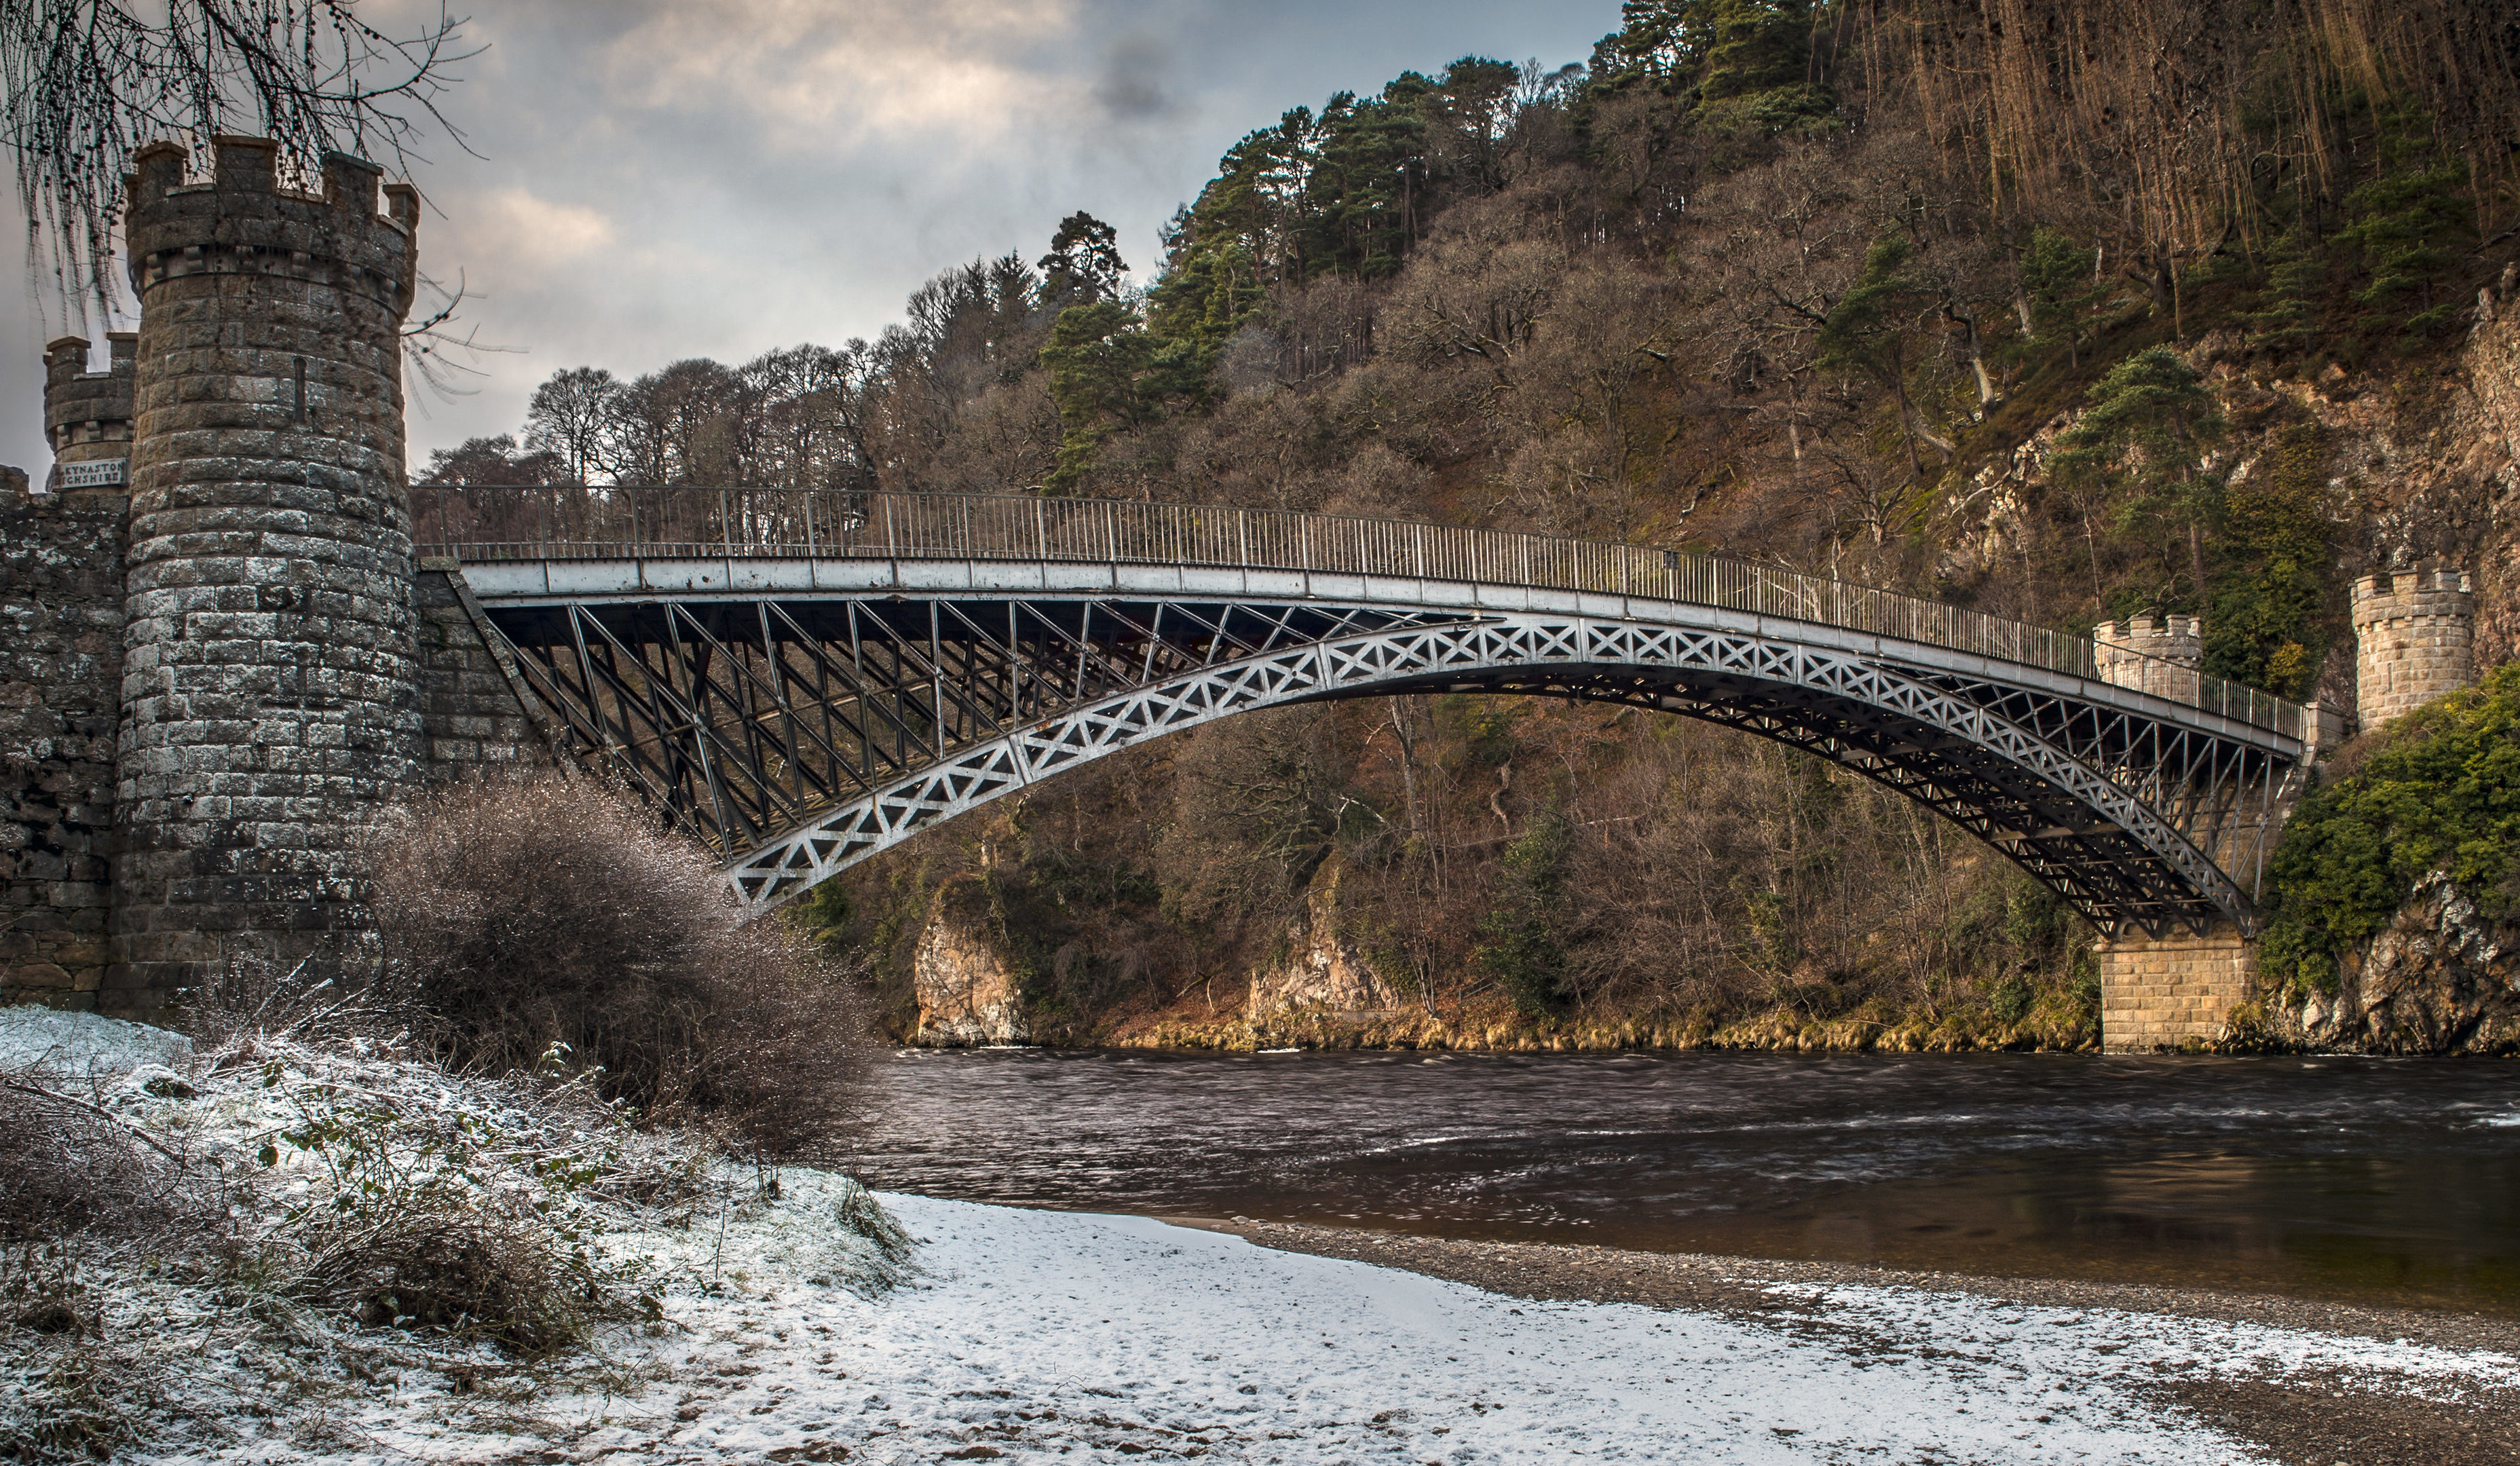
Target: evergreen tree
[
  {"x": 1084, "y": 264},
  {"x": 2409, "y": 226},
  {"x": 1525, "y": 937},
  {"x": 1098, "y": 361},
  {"x": 2150, "y": 419},
  {"x": 2296, "y": 278},
  {"x": 1757, "y": 77},
  {"x": 1660, "y": 44},
  {"x": 1872, "y": 329},
  {"x": 2059, "y": 291},
  {"x": 2264, "y": 627},
  {"x": 1735, "y": 66}
]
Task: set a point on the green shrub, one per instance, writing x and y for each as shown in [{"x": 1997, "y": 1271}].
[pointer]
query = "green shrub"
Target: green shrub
[{"x": 2438, "y": 793}]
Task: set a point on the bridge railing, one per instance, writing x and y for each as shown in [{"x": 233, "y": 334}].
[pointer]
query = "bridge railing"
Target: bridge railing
[{"x": 677, "y": 522}]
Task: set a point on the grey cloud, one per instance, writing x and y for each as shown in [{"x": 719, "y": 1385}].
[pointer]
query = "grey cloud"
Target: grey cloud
[{"x": 1131, "y": 87}]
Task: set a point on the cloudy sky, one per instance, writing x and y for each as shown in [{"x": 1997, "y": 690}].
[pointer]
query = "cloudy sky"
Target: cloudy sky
[{"x": 659, "y": 179}]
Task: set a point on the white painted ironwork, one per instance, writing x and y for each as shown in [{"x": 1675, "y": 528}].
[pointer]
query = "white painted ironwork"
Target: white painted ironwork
[
  {"x": 803, "y": 705},
  {"x": 626, "y": 523},
  {"x": 1467, "y": 653}
]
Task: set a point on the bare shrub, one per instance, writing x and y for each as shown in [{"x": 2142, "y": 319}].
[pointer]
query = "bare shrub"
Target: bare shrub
[
  {"x": 69, "y": 1165},
  {"x": 550, "y": 916}
]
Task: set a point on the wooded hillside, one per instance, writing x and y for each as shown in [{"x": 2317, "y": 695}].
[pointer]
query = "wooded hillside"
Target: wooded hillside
[{"x": 2061, "y": 311}]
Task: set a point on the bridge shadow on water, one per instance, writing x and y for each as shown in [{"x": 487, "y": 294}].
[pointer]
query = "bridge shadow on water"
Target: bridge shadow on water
[{"x": 2354, "y": 1179}]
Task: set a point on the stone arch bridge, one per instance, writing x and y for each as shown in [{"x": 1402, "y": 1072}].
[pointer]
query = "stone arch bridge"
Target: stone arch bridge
[{"x": 804, "y": 678}]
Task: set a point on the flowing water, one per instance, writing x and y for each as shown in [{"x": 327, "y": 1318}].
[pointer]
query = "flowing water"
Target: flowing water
[{"x": 2363, "y": 1180}]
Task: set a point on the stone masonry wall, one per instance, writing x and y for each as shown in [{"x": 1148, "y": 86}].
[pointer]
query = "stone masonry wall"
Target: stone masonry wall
[
  {"x": 475, "y": 713},
  {"x": 270, "y": 695},
  {"x": 60, "y": 611},
  {"x": 2171, "y": 992},
  {"x": 61, "y": 666}
]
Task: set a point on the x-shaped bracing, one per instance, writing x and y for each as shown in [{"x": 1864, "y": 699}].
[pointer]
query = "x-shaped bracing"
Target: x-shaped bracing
[{"x": 799, "y": 737}]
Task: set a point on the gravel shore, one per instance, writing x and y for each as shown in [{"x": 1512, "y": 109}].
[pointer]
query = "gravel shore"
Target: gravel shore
[{"x": 2300, "y": 1420}]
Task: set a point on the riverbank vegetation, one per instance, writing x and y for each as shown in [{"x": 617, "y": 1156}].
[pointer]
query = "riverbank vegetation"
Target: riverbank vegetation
[
  {"x": 2434, "y": 796},
  {"x": 2098, "y": 310},
  {"x": 549, "y": 923}
]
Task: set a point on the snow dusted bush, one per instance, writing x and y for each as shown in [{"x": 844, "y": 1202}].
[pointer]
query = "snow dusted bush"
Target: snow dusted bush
[
  {"x": 70, "y": 1165},
  {"x": 550, "y": 915},
  {"x": 284, "y": 1218}
]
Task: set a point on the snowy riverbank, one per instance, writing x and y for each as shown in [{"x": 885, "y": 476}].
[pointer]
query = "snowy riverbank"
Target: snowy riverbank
[
  {"x": 1031, "y": 1334},
  {"x": 1039, "y": 1332}
]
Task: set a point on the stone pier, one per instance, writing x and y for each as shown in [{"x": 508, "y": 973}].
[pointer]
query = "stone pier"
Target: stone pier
[{"x": 2171, "y": 992}]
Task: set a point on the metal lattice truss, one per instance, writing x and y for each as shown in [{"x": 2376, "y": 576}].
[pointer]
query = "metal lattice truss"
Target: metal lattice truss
[{"x": 799, "y": 737}]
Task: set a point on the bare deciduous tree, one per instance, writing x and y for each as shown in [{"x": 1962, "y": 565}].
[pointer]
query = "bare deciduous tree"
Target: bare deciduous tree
[{"x": 89, "y": 80}]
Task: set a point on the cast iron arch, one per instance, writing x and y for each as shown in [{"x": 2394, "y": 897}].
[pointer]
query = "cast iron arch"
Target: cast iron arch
[{"x": 800, "y": 734}]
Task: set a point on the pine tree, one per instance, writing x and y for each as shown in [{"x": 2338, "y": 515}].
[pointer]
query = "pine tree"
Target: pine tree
[
  {"x": 2296, "y": 278},
  {"x": 1084, "y": 263},
  {"x": 2059, "y": 291},
  {"x": 1757, "y": 76},
  {"x": 1524, "y": 946},
  {"x": 2150, "y": 418},
  {"x": 2409, "y": 226},
  {"x": 1871, "y": 330}
]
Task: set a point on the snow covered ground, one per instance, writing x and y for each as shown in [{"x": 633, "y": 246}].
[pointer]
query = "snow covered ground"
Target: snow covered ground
[
  {"x": 1041, "y": 1334},
  {"x": 1032, "y": 1335}
]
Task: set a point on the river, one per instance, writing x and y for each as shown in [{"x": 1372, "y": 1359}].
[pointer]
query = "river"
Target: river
[{"x": 2356, "y": 1179}]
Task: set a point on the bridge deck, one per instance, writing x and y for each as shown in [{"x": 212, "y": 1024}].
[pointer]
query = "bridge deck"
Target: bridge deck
[{"x": 684, "y": 531}]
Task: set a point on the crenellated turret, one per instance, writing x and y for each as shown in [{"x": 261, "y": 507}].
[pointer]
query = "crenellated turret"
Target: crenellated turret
[
  {"x": 243, "y": 222},
  {"x": 2414, "y": 638},
  {"x": 269, "y": 684},
  {"x": 87, "y": 415},
  {"x": 2158, "y": 657}
]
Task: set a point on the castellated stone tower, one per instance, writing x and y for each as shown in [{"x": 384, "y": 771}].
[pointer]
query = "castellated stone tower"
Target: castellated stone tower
[
  {"x": 2414, "y": 638},
  {"x": 87, "y": 415},
  {"x": 2160, "y": 657},
  {"x": 269, "y": 695}
]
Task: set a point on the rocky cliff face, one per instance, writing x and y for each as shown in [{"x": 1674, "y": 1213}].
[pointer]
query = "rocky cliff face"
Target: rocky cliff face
[
  {"x": 1320, "y": 975},
  {"x": 969, "y": 991},
  {"x": 2422, "y": 463},
  {"x": 2435, "y": 464},
  {"x": 2441, "y": 979}
]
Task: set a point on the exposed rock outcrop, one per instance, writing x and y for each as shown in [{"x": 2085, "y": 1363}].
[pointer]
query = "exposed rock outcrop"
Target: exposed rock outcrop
[
  {"x": 1319, "y": 975},
  {"x": 2420, "y": 468},
  {"x": 969, "y": 994},
  {"x": 2441, "y": 978}
]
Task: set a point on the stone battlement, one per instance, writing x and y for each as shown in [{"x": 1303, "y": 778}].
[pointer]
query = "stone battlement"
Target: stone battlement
[
  {"x": 243, "y": 222},
  {"x": 2435, "y": 589},
  {"x": 2158, "y": 657},
  {"x": 2414, "y": 634},
  {"x": 88, "y": 415}
]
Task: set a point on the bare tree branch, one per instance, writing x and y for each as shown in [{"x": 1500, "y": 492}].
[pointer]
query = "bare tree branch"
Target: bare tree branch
[{"x": 89, "y": 80}]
